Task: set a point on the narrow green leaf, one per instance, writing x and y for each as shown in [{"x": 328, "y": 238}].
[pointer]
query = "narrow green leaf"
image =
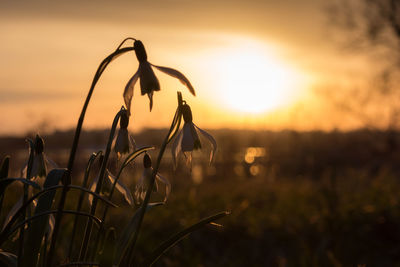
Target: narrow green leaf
[
  {"x": 179, "y": 236},
  {"x": 49, "y": 212},
  {"x": 8, "y": 259},
  {"x": 128, "y": 233},
  {"x": 37, "y": 228},
  {"x": 3, "y": 185},
  {"x": 7, "y": 181}
]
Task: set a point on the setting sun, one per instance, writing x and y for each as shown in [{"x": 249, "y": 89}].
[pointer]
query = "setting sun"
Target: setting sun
[{"x": 252, "y": 80}]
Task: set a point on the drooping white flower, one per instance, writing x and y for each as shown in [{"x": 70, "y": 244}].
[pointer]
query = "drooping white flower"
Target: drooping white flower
[
  {"x": 144, "y": 182},
  {"x": 120, "y": 186},
  {"x": 148, "y": 80},
  {"x": 40, "y": 162},
  {"x": 124, "y": 142},
  {"x": 188, "y": 139},
  {"x": 39, "y": 169}
]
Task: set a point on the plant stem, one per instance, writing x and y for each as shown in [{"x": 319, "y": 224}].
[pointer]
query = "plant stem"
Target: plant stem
[
  {"x": 96, "y": 77},
  {"x": 75, "y": 142},
  {"x": 80, "y": 201},
  {"x": 146, "y": 200},
  {"x": 127, "y": 160},
  {"x": 88, "y": 230},
  {"x": 58, "y": 219},
  {"x": 100, "y": 234}
]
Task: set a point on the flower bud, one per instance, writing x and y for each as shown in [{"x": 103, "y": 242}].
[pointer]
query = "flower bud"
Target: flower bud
[
  {"x": 140, "y": 51},
  {"x": 187, "y": 113},
  {"x": 146, "y": 161},
  {"x": 39, "y": 145}
]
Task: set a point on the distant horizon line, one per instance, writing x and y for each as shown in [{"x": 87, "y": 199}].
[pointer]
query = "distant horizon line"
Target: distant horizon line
[{"x": 30, "y": 133}]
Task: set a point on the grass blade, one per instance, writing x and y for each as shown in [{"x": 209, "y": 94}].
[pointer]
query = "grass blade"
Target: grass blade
[
  {"x": 179, "y": 236},
  {"x": 37, "y": 229}
]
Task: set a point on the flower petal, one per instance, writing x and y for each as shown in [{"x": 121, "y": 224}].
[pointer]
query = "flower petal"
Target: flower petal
[
  {"x": 93, "y": 189},
  {"x": 150, "y": 95},
  {"x": 176, "y": 148},
  {"x": 50, "y": 225},
  {"x": 166, "y": 183},
  {"x": 50, "y": 163},
  {"x": 128, "y": 92},
  {"x": 132, "y": 143},
  {"x": 212, "y": 141},
  {"x": 188, "y": 156},
  {"x": 39, "y": 168},
  {"x": 142, "y": 185},
  {"x": 121, "y": 188},
  {"x": 148, "y": 80},
  {"x": 188, "y": 138},
  {"x": 121, "y": 143},
  {"x": 178, "y": 75},
  {"x": 138, "y": 190}
]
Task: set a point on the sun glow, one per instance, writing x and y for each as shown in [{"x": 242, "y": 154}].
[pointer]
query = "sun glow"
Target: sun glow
[{"x": 252, "y": 80}]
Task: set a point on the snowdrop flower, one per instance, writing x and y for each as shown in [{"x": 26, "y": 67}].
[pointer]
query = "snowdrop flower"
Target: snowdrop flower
[
  {"x": 40, "y": 161},
  {"x": 148, "y": 80},
  {"x": 144, "y": 182},
  {"x": 188, "y": 138},
  {"x": 124, "y": 142},
  {"x": 120, "y": 186},
  {"x": 39, "y": 168}
]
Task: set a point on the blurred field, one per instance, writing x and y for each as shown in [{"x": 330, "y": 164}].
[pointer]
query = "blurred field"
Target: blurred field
[{"x": 297, "y": 198}]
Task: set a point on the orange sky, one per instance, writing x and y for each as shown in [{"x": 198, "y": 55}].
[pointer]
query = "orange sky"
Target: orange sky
[{"x": 50, "y": 51}]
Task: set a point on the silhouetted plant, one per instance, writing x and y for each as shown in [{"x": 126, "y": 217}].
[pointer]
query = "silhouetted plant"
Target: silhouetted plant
[{"x": 39, "y": 230}]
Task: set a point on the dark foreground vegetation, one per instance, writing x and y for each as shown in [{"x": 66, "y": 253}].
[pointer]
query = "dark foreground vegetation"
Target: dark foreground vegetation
[{"x": 297, "y": 198}]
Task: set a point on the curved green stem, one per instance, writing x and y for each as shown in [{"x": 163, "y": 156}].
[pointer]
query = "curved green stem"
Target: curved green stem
[
  {"x": 96, "y": 77},
  {"x": 74, "y": 147},
  {"x": 88, "y": 230}
]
